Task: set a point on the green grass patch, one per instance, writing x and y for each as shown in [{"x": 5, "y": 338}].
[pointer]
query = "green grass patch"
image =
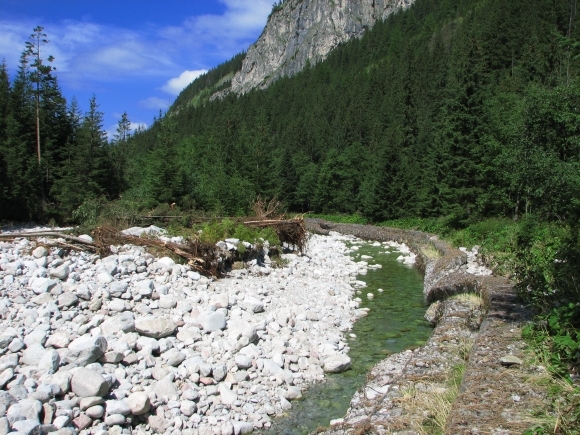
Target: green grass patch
[
  {"x": 440, "y": 226},
  {"x": 563, "y": 417},
  {"x": 341, "y": 218}
]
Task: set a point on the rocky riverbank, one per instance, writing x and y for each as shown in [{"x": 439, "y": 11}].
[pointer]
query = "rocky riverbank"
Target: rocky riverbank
[
  {"x": 473, "y": 375},
  {"x": 134, "y": 343}
]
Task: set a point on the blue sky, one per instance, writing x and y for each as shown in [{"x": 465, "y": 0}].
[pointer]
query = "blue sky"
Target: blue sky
[{"x": 135, "y": 56}]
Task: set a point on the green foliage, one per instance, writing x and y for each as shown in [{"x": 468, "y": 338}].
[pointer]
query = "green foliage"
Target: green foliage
[
  {"x": 198, "y": 92},
  {"x": 547, "y": 257},
  {"x": 494, "y": 234},
  {"x": 557, "y": 336},
  {"x": 556, "y": 343},
  {"x": 124, "y": 212},
  {"x": 341, "y": 218},
  {"x": 442, "y": 226},
  {"x": 89, "y": 211},
  {"x": 214, "y": 231},
  {"x": 460, "y": 109},
  {"x": 74, "y": 169},
  {"x": 160, "y": 181},
  {"x": 535, "y": 430}
]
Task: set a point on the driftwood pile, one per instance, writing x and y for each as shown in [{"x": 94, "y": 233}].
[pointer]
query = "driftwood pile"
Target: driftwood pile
[
  {"x": 289, "y": 231},
  {"x": 202, "y": 257}
]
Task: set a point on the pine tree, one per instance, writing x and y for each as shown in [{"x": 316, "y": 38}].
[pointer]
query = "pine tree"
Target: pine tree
[
  {"x": 123, "y": 132},
  {"x": 41, "y": 76},
  {"x": 24, "y": 178},
  {"x": 4, "y": 113},
  {"x": 93, "y": 149},
  {"x": 287, "y": 179},
  {"x": 159, "y": 177},
  {"x": 70, "y": 189}
]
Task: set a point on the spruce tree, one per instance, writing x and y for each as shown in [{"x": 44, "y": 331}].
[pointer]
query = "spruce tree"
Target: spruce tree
[
  {"x": 159, "y": 175},
  {"x": 70, "y": 189},
  {"x": 4, "y": 113},
  {"x": 42, "y": 74},
  {"x": 95, "y": 138}
]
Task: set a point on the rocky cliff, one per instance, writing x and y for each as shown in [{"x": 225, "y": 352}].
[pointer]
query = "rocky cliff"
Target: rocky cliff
[{"x": 307, "y": 30}]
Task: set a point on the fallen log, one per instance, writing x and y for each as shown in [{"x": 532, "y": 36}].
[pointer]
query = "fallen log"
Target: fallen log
[
  {"x": 202, "y": 257},
  {"x": 271, "y": 222},
  {"x": 48, "y": 234}
]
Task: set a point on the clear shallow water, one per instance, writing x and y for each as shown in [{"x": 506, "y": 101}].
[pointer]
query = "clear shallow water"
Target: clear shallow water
[{"x": 394, "y": 323}]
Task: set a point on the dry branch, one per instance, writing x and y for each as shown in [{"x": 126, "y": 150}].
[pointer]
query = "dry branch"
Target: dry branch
[
  {"x": 48, "y": 234},
  {"x": 290, "y": 231},
  {"x": 263, "y": 209},
  {"x": 202, "y": 257}
]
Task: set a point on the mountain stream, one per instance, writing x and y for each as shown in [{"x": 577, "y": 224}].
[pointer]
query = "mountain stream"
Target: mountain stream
[{"x": 393, "y": 324}]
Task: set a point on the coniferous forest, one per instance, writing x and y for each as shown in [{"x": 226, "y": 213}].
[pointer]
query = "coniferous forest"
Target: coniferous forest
[
  {"x": 53, "y": 157},
  {"x": 461, "y": 108}
]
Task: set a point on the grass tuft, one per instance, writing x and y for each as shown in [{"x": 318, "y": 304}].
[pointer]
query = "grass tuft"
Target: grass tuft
[{"x": 432, "y": 401}]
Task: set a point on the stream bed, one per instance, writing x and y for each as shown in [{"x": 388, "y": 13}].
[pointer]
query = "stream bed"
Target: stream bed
[{"x": 393, "y": 324}]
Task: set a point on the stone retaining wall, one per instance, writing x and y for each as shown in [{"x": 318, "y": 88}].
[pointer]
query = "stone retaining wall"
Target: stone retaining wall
[{"x": 492, "y": 398}]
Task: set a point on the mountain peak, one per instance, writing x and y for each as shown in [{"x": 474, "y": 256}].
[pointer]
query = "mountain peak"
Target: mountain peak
[{"x": 302, "y": 31}]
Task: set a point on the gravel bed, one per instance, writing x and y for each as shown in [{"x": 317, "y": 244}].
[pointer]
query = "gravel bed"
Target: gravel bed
[{"x": 132, "y": 343}]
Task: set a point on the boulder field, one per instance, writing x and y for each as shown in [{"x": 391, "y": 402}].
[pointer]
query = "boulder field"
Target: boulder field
[{"x": 131, "y": 343}]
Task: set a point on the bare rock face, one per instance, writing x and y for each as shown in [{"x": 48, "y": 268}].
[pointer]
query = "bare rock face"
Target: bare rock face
[{"x": 307, "y": 31}]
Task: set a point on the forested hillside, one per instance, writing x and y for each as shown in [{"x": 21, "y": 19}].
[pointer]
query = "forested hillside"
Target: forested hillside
[
  {"x": 454, "y": 107},
  {"x": 77, "y": 167}
]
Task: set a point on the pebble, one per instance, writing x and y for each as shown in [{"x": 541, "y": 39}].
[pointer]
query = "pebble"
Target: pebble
[
  {"x": 336, "y": 364},
  {"x": 86, "y": 382},
  {"x": 510, "y": 360},
  {"x": 155, "y": 327},
  {"x": 139, "y": 403}
]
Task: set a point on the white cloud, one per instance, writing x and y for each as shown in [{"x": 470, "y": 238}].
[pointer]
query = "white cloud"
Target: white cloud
[
  {"x": 225, "y": 34},
  {"x": 107, "y": 53},
  {"x": 175, "y": 85},
  {"x": 137, "y": 125},
  {"x": 155, "y": 103},
  {"x": 89, "y": 50},
  {"x": 12, "y": 39}
]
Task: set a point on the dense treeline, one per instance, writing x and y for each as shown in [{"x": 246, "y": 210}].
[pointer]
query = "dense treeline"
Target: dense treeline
[
  {"x": 52, "y": 156},
  {"x": 457, "y": 107}
]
